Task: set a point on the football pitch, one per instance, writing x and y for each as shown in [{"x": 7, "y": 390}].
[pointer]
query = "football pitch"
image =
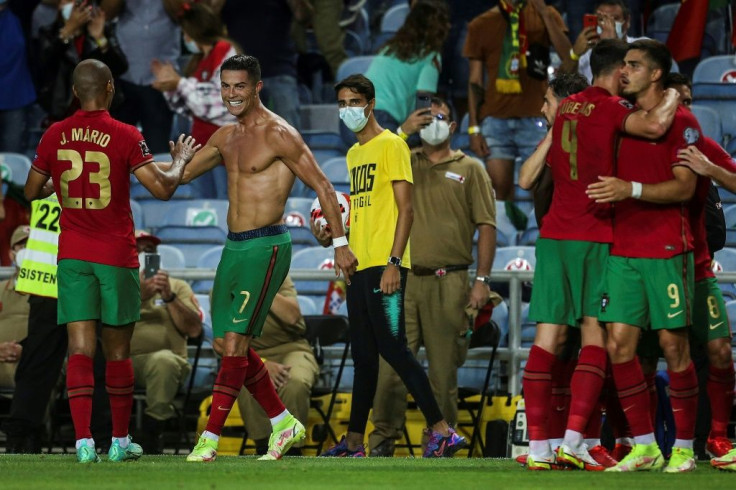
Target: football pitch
[{"x": 164, "y": 472}]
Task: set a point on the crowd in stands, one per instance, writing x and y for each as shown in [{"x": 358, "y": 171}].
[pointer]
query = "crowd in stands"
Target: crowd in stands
[{"x": 166, "y": 56}]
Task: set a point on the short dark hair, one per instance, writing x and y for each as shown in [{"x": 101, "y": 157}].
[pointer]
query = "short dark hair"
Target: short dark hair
[
  {"x": 607, "y": 55},
  {"x": 656, "y": 53},
  {"x": 674, "y": 78},
  {"x": 615, "y": 3},
  {"x": 359, "y": 84},
  {"x": 244, "y": 62},
  {"x": 439, "y": 101},
  {"x": 566, "y": 84}
]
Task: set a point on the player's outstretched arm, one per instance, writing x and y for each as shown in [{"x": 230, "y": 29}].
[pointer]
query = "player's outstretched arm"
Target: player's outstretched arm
[
  {"x": 531, "y": 169},
  {"x": 655, "y": 123},
  {"x": 36, "y": 185},
  {"x": 295, "y": 154},
  {"x": 160, "y": 181},
  {"x": 696, "y": 161}
]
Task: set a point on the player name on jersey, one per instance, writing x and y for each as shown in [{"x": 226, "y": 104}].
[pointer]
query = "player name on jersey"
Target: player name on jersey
[
  {"x": 572, "y": 107},
  {"x": 88, "y": 136}
]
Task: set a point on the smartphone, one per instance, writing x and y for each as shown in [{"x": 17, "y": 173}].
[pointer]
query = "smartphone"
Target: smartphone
[
  {"x": 590, "y": 20},
  {"x": 424, "y": 102},
  {"x": 152, "y": 265}
]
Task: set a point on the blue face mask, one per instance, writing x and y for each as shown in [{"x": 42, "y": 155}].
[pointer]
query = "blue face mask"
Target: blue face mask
[
  {"x": 354, "y": 117},
  {"x": 192, "y": 46}
]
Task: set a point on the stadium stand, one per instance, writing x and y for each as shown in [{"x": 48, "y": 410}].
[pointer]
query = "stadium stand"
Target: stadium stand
[
  {"x": 710, "y": 122},
  {"x": 337, "y": 171},
  {"x": 500, "y": 315},
  {"x": 14, "y": 167},
  {"x": 713, "y": 86},
  {"x": 307, "y": 306},
  {"x": 171, "y": 257},
  {"x": 139, "y": 221},
  {"x": 314, "y": 258},
  {"x": 357, "y": 64},
  {"x": 208, "y": 260}
]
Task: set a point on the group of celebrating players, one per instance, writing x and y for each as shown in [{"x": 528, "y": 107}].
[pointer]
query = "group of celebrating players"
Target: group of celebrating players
[{"x": 623, "y": 257}]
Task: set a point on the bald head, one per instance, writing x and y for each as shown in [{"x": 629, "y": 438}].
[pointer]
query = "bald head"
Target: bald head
[{"x": 90, "y": 80}]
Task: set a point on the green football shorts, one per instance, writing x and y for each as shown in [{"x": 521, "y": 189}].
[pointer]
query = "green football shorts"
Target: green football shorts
[
  {"x": 252, "y": 268},
  {"x": 648, "y": 293},
  {"x": 90, "y": 291},
  {"x": 567, "y": 281},
  {"x": 709, "y": 313}
]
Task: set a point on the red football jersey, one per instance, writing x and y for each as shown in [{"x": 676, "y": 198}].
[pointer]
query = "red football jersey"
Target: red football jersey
[
  {"x": 583, "y": 147},
  {"x": 648, "y": 230},
  {"x": 89, "y": 157},
  {"x": 720, "y": 157}
]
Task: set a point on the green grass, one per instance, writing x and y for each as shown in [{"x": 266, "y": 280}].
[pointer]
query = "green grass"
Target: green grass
[{"x": 164, "y": 472}]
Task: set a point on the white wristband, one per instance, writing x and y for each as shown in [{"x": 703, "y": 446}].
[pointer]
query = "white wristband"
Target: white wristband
[
  {"x": 340, "y": 241},
  {"x": 636, "y": 190}
]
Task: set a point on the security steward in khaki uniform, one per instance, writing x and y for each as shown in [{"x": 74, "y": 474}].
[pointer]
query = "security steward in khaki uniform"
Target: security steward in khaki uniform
[
  {"x": 453, "y": 198},
  {"x": 14, "y": 311},
  {"x": 290, "y": 362}
]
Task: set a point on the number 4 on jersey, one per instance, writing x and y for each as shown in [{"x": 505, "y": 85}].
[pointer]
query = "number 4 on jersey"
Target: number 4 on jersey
[{"x": 569, "y": 142}]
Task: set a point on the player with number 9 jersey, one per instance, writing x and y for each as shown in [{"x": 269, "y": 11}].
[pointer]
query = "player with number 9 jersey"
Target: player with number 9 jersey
[{"x": 89, "y": 157}]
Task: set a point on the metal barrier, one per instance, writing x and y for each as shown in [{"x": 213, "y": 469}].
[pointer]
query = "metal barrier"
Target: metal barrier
[{"x": 514, "y": 354}]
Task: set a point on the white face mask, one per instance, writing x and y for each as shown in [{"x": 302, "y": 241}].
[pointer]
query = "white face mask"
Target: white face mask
[
  {"x": 66, "y": 10},
  {"x": 192, "y": 46},
  {"x": 141, "y": 261},
  {"x": 435, "y": 133},
  {"x": 618, "y": 26},
  {"x": 354, "y": 117}
]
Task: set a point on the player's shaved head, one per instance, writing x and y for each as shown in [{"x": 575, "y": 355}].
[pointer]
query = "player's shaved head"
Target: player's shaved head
[{"x": 90, "y": 79}]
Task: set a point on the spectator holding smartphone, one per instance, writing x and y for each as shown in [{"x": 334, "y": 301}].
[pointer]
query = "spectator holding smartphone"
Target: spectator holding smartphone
[
  {"x": 158, "y": 348},
  {"x": 613, "y": 22},
  {"x": 408, "y": 64}
]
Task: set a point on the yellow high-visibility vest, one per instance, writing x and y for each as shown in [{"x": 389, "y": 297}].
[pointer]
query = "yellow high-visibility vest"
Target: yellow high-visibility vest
[{"x": 38, "y": 266}]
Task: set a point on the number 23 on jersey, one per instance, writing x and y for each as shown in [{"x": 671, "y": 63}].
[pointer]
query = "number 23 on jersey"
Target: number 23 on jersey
[{"x": 100, "y": 177}]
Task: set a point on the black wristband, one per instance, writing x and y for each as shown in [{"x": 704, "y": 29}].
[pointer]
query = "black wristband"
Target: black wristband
[{"x": 171, "y": 298}]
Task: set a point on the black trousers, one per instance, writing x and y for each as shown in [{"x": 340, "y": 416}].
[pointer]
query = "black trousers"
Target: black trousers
[
  {"x": 44, "y": 350},
  {"x": 377, "y": 328}
]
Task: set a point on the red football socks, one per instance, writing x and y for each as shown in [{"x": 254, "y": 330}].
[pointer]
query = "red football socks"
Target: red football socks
[
  {"x": 537, "y": 391},
  {"x": 651, "y": 379},
  {"x": 614, "y": 413},
  {"x": 684, "y": 399},
  {"x": 720, "y": 393},
  {"x": 586, "y": 385},
  {"x": 227, "y": 387},
  {"x": 80, "y": 384},
  {"x": 119, "y": 386},
  {"x": 259, "y": 384},
  {"x": 560, "y": 397},
  {"x": 633, "y": 395}
]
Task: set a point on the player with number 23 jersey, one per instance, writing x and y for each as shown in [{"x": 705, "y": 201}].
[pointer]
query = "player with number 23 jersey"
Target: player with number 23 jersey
[{"x": 90, "y": 157}]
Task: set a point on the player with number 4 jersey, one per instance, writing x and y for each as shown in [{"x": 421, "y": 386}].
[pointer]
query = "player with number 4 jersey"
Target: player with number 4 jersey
[
  {"x": 89, "y": 157},
  {"x": 573, "y": 248}
]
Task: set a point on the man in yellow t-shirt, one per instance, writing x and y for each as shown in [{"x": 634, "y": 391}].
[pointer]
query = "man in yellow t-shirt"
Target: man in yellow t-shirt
[{"x": 380, "y": 221}]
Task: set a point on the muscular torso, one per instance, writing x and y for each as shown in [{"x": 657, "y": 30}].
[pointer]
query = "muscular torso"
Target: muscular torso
[{"x": 258, "y": 181}]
